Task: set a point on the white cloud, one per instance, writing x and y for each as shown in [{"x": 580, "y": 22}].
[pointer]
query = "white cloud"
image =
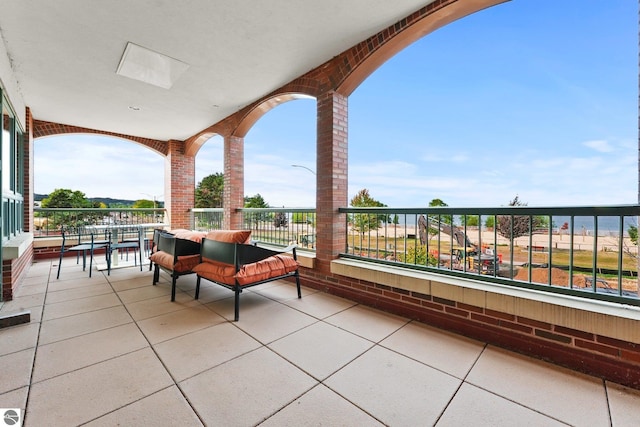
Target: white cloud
[
  {"x": 97, "y": 166},
  {"x": 599, "y": 145}
]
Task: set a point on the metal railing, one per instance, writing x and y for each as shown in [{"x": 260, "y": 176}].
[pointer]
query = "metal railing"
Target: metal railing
[
  {"x": 581, "y": 251},
  {"x": 588, "y": 252},
  {"x": 49, "y": 221},
  {"x": 277, "y": 226},
  {"x": 281, "y": 226},
  {"x": 207, "y": 219}
]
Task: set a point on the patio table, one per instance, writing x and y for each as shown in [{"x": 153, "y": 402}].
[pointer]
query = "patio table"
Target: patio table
[{"x": 114, "y": 230}]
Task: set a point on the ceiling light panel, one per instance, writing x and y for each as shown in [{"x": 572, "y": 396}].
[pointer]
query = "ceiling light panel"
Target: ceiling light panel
[{"x": 151, "y": 67}]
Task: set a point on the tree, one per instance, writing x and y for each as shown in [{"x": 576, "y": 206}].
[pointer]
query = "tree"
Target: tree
[
  {"x": 361, "y": 222},
  {"x": 633, "y": 234},
  {"x": 209, "y": 192},
  {"x": 144, "y": 204},
  {"x": 490, "y": 222},
  {"x": 514, "y": 226},
  {"x": 418, "y": 255},
  {"x": 470, "y": 220},
  {"x": 65, "y": 198},
  {"x": 427, "y": 225},
  {"x": 447, "y": 219},
  {"x": 257, "y": 202},
  {"x": 631, "y": 250}
]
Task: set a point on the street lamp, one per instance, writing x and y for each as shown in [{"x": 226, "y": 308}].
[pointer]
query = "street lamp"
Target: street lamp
[
  {"x": 153, "y": 197},
  {"x": 303, "y": 167}
]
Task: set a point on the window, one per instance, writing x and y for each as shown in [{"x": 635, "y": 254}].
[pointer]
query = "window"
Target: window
[{"x": 11, "y": 176}]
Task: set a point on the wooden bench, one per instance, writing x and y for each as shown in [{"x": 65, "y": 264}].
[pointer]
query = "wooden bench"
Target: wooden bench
[{"x": 237, "y": 266}]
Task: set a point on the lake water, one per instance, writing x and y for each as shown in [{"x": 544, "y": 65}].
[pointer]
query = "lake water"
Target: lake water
[{"x": 607, "y": 226}]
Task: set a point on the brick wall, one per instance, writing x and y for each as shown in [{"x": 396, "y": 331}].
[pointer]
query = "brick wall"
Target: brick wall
[
  {"x": 13, "y": 272},
  {"x": 179, "y": 186}
]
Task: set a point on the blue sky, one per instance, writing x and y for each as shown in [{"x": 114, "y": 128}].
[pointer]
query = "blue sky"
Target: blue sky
[{"x": 535, "y": 98}]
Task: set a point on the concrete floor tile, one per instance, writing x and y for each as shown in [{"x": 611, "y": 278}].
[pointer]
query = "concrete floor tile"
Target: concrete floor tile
[
  {"x": 624, "y": 404},
  {"x": 320, "y": 305},
  {"x": 311, "y": 410},
  {"x": 86, "y": 394},
  {"x": 473, "y": 406},
  {"x": 15, "y": 399},
  {"x": 78, "y": 283},
  {"x": 282, "y": 291},
  {"x": 75, "y": 278},
  {"x": 177, "y": 323},
  {"x": 31, "y": 289},
  {"x": 320, "y": 349},
  {"x": 122, "y": 284},
  {"x": 84, "y": 323},
  {"x": 15, "y": 370},
  {"x": 167, "y": 407},
  {"x": 249, "y": 302},
  {"x": 394, "y": 389},
  {"x": 367, "y": 322},
  {"x": 158, "y": 306},
  {"x": 143, "y": 293},
  {"x": 196, "y": 352},
  {"x": 76, "y": 353},
  {"x": 261, "y": 379},
  {"x": 557, "y": 392},
  {"x": 19, "y": 337},
  {"x": 210, "y": 292},
  {"x": 268, "y": 321},
  {"x": 91, "y": 290},
  {"x": 78, "y": 306},
  {"x": 455, "y": 354},
  {"x": 23, "y": 303}
]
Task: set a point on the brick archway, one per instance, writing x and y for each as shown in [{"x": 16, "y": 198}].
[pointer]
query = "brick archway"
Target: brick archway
[{"x": 43, "y": 129}]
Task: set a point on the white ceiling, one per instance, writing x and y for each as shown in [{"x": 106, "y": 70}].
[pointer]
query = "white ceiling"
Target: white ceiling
[{"x": 64, "y": 55}]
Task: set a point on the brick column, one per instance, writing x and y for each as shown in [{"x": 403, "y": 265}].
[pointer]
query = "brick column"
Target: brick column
[
  {"x": 332, "y": 180},
  {"x": 179, "y": 185},
  {"x": 233, "y": 197},
  {"x": 28, "y": 173}
]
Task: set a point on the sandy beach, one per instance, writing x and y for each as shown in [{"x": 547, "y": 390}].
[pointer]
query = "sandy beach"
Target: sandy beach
[{"x": 581, "y": 242}]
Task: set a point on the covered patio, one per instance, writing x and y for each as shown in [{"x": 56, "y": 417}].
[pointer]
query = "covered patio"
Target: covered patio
[{"x": 114, "y": 351}]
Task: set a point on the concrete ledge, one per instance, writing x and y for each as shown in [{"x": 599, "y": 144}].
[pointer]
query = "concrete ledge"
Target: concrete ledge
[
  {"x": 17, "y": 246},
  {"x": 13, "y": 319},
  {"x": 306, "y": 259},
  {"x": 598, "y": 317}
]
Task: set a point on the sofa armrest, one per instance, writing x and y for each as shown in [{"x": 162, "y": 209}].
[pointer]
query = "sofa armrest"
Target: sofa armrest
[{"x": 248, "y": 254}]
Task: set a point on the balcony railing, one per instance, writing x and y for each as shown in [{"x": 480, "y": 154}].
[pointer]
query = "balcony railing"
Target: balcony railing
[
  {"x": 49, "y": 221},
  {"x": 587, "y": 251},
  {"x": 276, "y": 226},
  {"x": 207, "y": 219}
]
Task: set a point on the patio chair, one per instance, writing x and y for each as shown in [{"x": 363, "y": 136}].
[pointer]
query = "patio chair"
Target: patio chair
[
  {"x": 87, "y": 246},
  {"x": 126, "y": 240},
  {"x": 93, "y": 237}
]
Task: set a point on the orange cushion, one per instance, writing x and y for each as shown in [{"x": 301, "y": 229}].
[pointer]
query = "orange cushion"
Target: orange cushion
[
  {"x": 288, "y": 262},
  {"x": 216, "y": 271},
  {"x": 261, "y": 270},
  {"x": 194, "y": 236},
  {"x": 185, "y": 263},
  {"x": 230, "y": 236}
]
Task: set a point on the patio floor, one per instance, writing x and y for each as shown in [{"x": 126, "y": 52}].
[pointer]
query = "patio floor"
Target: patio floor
[{"x": 115, "y": 351}]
